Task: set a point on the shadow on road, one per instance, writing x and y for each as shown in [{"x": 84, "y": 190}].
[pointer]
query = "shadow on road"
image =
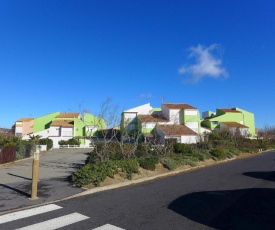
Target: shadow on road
[
  {"x": 16, "y": 190},
  {"x": 229, "y": 209},
  {"x": 262, "y": 175},
  {"x": 26, "y": 178}
]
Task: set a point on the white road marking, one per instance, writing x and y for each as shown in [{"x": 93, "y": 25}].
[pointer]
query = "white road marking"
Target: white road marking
[
  {"x": 108, "y": 227},
  {"x": 27, "y": 213},
  {"x": 56, "y": 222}
]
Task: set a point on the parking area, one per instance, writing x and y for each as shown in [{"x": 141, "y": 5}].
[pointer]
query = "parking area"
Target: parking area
[{"x": 54, "y": 169}]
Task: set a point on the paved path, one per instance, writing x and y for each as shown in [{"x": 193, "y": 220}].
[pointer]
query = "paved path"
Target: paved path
[{"x": 55, "y": 168}]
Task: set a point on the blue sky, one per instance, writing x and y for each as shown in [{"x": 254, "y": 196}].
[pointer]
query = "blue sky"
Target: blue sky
[{"x": 71, "y": 55}]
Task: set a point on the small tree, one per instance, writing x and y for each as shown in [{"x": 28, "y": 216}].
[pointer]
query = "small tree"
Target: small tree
[{"x": 109, "y": 115}]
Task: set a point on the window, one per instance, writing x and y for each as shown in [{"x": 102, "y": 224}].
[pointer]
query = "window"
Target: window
[{"x": 215, "y": 122}]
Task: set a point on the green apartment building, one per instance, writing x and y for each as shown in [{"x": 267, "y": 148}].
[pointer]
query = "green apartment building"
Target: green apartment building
[{"x": 231, "y": 118}]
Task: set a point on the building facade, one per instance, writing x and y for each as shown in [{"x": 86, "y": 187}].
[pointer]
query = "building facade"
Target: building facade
[{"x": 61, "y": 126}]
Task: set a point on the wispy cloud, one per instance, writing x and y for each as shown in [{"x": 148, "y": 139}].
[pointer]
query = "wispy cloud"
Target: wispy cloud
[
  {"x": 207, "y": 64},
  {"x": 146, "y": 95}
]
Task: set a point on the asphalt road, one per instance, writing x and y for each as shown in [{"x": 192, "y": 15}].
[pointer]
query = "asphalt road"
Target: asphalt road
[
  {"x": 235, "y": 195},
  {"x": 54, "y": 169}
]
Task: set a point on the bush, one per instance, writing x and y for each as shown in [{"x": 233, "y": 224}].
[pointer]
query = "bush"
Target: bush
[
  {"x": 185, "y": 160},
  {"x": 82, "y": 176},
  {"x": 147, "y": 163},
  {"x": 128, "y": 165},
  {"x": 218, "y": 153},
  {"x": 97, "y": 173},
  {"x": 143, "y": 150},
  {"x": 46, "y": 141},
  {"x": 92, "y": 159},
  {"x": 71, "y": 141},
  {"x": 182, "y": 148},
  {"x": 169, "y": 163},
  {"x": 188, "y": 162},
  {"x": 114, "y": 151}
]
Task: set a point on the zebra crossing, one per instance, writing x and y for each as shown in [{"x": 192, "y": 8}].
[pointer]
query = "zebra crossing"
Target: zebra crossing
[{"x": 55, "y": 223}]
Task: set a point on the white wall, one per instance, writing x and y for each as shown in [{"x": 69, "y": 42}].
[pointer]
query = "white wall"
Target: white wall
[
  {"x": 191, "y": 112},
  {"x": 143, "y": 109},
  {"x": 194, "y": 125},
  {"x": 43, "y": 134},
  {"x": 91, "y": 128},
  {"x": 67, "y": 132},
  {"x": 54, "y": 131},
  {"x": 18, "y": 130},
  {"x": 174, "y": 116},
  {"x": 189, "y": 139}
]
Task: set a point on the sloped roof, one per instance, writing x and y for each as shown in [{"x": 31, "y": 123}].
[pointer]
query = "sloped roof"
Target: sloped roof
[
  {"x": 178, "y": 106},
  {"x": 63, "y": 123},
  {"x": 234, "y": 124},
  {"x": 68, "y": 115},
  {"x": 230, "y": 110},
  {"x": 152, "y": 118},
  {"x": 25, "y": 119},
  {"x": 176, "y": 130}
]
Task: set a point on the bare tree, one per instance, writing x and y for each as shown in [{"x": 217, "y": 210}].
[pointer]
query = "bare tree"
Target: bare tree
[
  {"x": 268, "y": 132},
  {"x": 106, "y": 122},
  {"x": 130, "y": 137}
]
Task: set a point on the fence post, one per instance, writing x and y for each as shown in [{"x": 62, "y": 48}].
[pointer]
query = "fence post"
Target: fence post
[{"x": 35, "y": 174}]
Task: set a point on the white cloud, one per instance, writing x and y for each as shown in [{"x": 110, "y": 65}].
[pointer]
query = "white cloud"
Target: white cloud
[
  {"x": 146, "y": 95},
  {"x": 206, "y": 64}
]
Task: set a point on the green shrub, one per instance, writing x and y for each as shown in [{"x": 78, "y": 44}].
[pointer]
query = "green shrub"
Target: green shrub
[
  {"x": 46, "y": 141},
  {"x": 143, "y": 150},
  {"x": 182, "y": 148},
  {"x": 82, "y": 176},
  {"x": 169, "y": 163},
  {"x": 218, "y": 153},
  {"x": 71, "y": 141},
  {"x": 189, "y": 162},
  {"x": 181, "y": 159},
  {"x": 147, "y": 163},
  {"x": 92, "y": 159},
  {"x": 128, "y": 165},
  {"x": 97, "y": 175}
]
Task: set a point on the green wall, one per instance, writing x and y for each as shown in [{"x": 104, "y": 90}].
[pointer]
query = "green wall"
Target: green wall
[
  {"x": 227, "y": 117},
  {"x": 248, "y": 120},
  {"x": 42, "y": 123},
  {"x": 245, "y": 116},
  {"x": 94, "y": 120}
]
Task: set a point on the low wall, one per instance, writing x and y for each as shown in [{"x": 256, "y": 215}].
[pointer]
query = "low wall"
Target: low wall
[{"x": 7, "y": 154}]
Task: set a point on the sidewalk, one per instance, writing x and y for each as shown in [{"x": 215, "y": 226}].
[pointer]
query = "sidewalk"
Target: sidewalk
[{"x": 55, "y": 168}]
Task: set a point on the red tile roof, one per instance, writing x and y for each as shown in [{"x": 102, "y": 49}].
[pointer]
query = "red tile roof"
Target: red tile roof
[
  {"x": 68, "y": 115},
  {"x": 25, "y": 119},
  {"x": 234, "y": 124},
  {"x": 230, "y": 110},
  {"x": 176, "y": 130},
  {"x": 63, "y": 123},
  {"x": 179, "y": 106},
  {"x": 152, "y": 118}
]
